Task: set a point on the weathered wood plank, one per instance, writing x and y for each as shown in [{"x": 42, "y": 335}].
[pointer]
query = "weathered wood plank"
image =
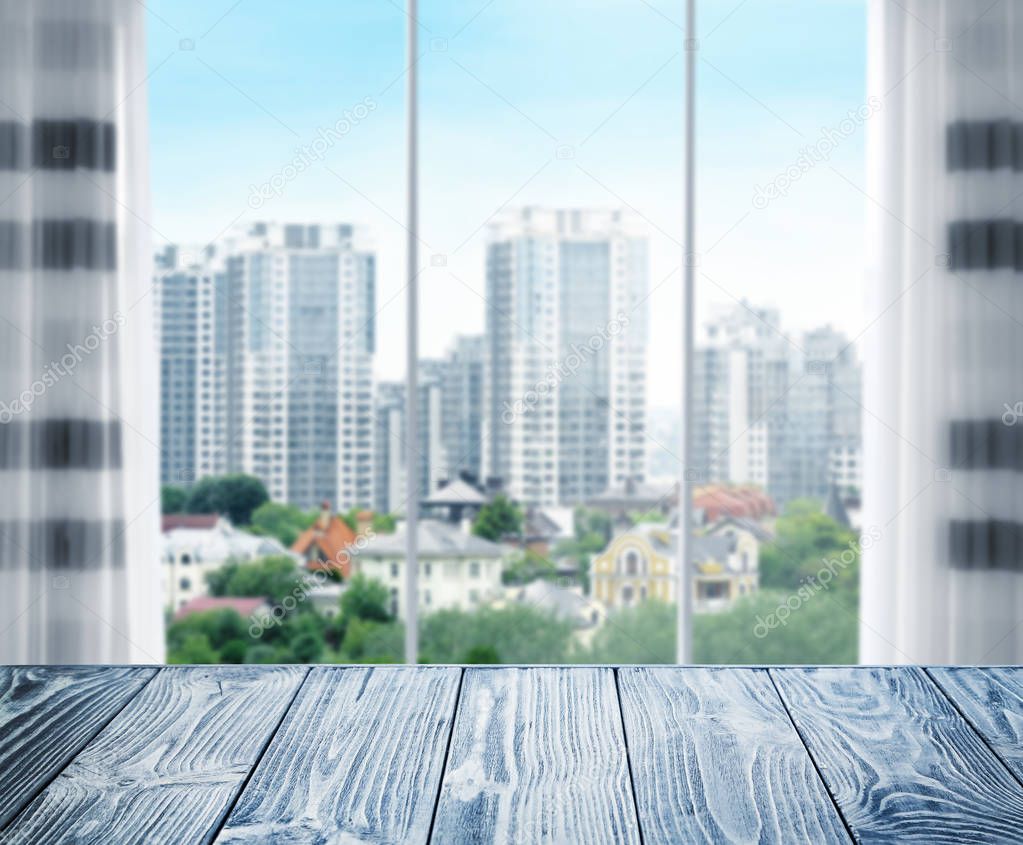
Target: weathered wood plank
[
  {"x": 168, "y": 766},
  {"x": 358, "y": 759},
  {"x": 537, "y": 755},
  {"x": 50, "y": 713},
  {"x": 715, "y": 759},
  {"x": 899, "y": 760},
  {"x": 992, "y": 701}
]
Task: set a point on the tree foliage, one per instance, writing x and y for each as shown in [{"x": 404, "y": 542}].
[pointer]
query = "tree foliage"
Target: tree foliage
[
  {"x": 172, "y": 499},
  {"x": 517, "y": 633},
  {"x": 235, "y": 496},
  {"x": 271, "y": 578},
  {"x": 285, "y": 522},
  {"x": 498, "y": 519}
]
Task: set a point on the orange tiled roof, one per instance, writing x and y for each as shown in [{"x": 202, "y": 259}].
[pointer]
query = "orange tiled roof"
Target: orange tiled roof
[{"x": 331, "y": 536}]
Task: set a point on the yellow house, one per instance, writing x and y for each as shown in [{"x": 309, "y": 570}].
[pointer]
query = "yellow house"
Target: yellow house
[{"x": 640, "y": 564}]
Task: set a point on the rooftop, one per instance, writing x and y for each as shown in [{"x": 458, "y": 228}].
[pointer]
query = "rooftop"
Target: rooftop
[
  {"x": 244, "y": 607},
  {"x": 205, "y": 521},
  {"x": 436, "y": 539}
]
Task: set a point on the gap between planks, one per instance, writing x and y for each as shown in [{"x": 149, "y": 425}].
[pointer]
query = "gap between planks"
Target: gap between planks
[
  {"x": 447, "y": 753},
  {"x": 102, "y": 727},
  {"x": 628, "y": 755},
  {"x": 252, "y": 770},
  {"x": 812, "y": 759},
  {"x": 969, "y": 722}
]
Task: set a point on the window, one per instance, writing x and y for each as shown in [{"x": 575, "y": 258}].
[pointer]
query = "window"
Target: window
[
  {"x": 550, "y": 294},
  {"x": 631, "y": 562},
  {"x": 185, "y": 584}
]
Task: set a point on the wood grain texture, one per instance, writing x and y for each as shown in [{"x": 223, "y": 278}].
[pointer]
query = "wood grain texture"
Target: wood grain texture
[
  {"x": 358, "y": 759},
  {"x": 899, "y": 760},
  {"x": 50, "y": 713},
  {"x": 715, "y": 758},
  {"x": 992, "y": 701},
  {"x": 537, "y": 755},
  {"x": 168, "y": 766}
]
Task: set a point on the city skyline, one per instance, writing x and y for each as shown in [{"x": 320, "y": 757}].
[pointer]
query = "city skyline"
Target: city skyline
[
  {"x": 268, "y": 344},
  {"x": 615, "y": 139}
]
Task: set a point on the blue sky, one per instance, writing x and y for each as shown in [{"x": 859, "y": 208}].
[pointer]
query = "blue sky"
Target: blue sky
[{"x": 504, "y": 84}]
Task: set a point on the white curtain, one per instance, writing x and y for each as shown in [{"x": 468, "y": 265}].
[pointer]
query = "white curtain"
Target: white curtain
[
  {"x": 943, "y": 392},
  {"x": 79, "y": 576}
]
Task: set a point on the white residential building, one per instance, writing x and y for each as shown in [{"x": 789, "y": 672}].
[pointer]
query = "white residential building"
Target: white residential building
[
  {"x": 285, "y": 337},
  {"x": 456, "y": 569},
  {"x": 192, "y": 545},
  {"x": 566, "y": 345}
]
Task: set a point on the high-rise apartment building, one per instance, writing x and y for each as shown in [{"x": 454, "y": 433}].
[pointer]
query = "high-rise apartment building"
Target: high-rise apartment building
[
  {"x": 180, "y": 290},
  {"x": 462, "y": 412},
  {"x": 774, "y": 410},
  {"x": 566, "y": 345},
  {"x": 285, "y": 341},
  {"x": 390, "y": 438}
]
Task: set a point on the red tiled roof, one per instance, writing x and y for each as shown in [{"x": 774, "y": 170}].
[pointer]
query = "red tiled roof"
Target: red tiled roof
[
  {"x": 718, "y": 501},
  {"x": 331, "y": 536},
  {"x": 170, "y": 521},
  {"x": 244, "y": 607}
]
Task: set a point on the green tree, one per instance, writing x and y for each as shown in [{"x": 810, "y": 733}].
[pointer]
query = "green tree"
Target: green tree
[
  {"x": 381, "y": 523},
  {"x": 261, "y": 653},
  {"x": 498, "y": 519},
  {"x": 367, "y": 641},
  {"x": 384, "y": 523},
  {"x": 172, "y": 499},
  {"x": 806, "y": 540},
  {"x": 519, "y": 633},
  {"x": 223, "y": 632},
  {"x": 641, "y": 634},
  {"x": 480, "y": 654},
  {"x": 235, "y": 496},
  {"x": 526, "y": 567},
  {"x": 775, "y": 627},
  {"x": 285, "y": 522},
  {"x": 367, "y": 599},
  {"x": 196, "y": 648},
  {"x": 271, "y": 578},
  {"x": 815, "y": 626}
]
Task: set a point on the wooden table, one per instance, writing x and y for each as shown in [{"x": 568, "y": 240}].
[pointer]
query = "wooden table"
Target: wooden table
[{"x": 507, "y": 754}]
